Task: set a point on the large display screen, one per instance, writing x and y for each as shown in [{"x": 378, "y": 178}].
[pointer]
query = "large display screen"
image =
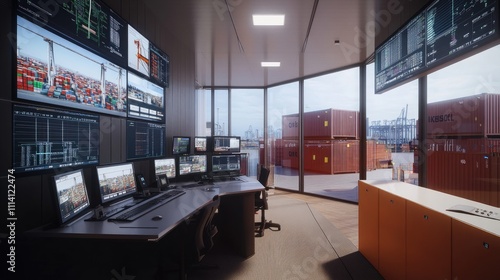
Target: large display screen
[
  {"x": 441, "y": 33},
  {"x": 146, "y": 100},
  {"x": 89, "y": 22},
  {"x": 48, "y": 138},
  {"x": 138, "y": 51},
  {"x": 53, "y": 70},
  {"x": 159, "y": 65},
  {"x": 145, "y": 140}
]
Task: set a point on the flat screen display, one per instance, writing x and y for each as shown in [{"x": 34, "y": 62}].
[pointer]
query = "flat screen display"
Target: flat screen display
[
  {"x": 116, "y": 181},
  {"x": 91, "y": 24},
  {"x": 53, "y": 70},
  {"x": 226, "y": 163},
  {"x": 200, "y": 144},
  {"x": 192, "y": 164},
  {"x": 226, "y": 144},
  {"x": 146, "y": 100},
  {"x": 71, "y": 194},
  {"x": 441, "y": 33},
  {"x": 181, "y": 145},
  {"x": 138, "y": 51},
  {"x": 46, "y": 138},
  {"x": 145, "y": 140},
  {"x": 159, "y": 65},
  {"x": 165, "y": 166}
]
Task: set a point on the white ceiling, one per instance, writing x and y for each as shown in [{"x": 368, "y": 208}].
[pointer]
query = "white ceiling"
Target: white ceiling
[{"x": 229, "y": 49}]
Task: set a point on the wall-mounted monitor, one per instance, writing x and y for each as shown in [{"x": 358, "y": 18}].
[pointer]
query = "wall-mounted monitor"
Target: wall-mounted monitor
[
  {"x": 181, "y": 145},
  {"x": 201, "y": 144},
  {"x": 46, "y": 138},
  {"x": 145, "y": 140},
  {"x": 116, "y": 181},
  {"x": 146, "y": 100},
  {"x": 71, "y": 195},
  {"x": 53, "y": 70},
  {"x": 192, "y": 164},
  {"x": 138, "y": 52},
  {"x": 159, "y": 66},
  {"x": 165, "y": 166},
  {"x": 443, "y": 32},
  {"x": 91, "y": 24},
  {"x": 226, "y": 164},
  {"x": 226, "y": 144}
]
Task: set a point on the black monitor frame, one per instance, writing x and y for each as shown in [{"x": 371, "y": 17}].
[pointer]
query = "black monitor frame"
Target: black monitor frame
[
  {"x": 118, "y": 195},
  {"x": 68, "y": 213},
  {"x": 181, "y": 150},
  {"x": 223, "y": 144}
]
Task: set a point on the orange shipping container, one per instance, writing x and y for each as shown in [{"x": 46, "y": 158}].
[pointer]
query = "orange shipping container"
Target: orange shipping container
[{"x": 331, "y": 124}]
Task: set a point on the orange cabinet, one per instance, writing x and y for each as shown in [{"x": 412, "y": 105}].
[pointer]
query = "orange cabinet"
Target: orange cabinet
[
  {"x": 368, "y": 222},
  {"x": 392, "y": 236},
  {"x": 428, "y": 243},
  {"x": 475, "y": 253}
]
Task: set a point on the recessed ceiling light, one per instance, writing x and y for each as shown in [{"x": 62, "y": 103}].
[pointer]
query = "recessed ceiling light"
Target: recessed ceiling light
[
  {"x": 268, "y": 20},
  {"x": 270, "y": 64}
]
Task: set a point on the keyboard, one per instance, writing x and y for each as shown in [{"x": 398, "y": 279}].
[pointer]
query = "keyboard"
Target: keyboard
[{"x": 146, "y": 206}]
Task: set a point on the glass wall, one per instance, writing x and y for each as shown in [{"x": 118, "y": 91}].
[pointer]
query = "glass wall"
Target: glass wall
[
  {"x": 247, "y": 121},
  {"x": 391, "y": 130},
  {"x": 331, "y": 138},
  {"x": 221, "y": 112},
  {"x": 203, "y": 112},
  {"x": 282, "y": 141},
  {"x": 463, "y": 130}
]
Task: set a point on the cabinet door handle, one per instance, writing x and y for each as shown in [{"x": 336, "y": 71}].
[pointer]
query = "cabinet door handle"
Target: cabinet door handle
[
  {"x": 426, "y": 217},
  {"x": 486, "y": 245},
  {"x": 391, "y": 201}
]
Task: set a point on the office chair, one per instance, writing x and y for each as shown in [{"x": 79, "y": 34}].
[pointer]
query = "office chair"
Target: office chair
[
  {"x": 200, "y": 232},
  {"x": 261, "y": 204}
]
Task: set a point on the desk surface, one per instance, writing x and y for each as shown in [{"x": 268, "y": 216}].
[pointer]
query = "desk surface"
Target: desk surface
[{"x": 144, "y": 228}]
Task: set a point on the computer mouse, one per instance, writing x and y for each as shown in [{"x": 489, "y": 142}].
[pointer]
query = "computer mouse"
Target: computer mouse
[{"x": 157, "y": 218}]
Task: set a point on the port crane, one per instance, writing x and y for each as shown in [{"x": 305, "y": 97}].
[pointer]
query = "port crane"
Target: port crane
[{"x": 141, "y": 60}]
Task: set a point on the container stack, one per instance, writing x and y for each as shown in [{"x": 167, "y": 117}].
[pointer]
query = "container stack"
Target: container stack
[
  {"x": 331, "y": 143},
  {"x": 463, "y": 147}
]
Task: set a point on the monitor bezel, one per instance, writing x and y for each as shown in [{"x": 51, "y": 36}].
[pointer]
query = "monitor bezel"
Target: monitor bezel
[
  {"x": 119, "y": 197},
  {"x": 61, "y": 220}
]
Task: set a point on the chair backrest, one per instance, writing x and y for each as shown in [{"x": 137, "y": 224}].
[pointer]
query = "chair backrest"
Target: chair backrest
[
  {"x": 205, "y": 230},
  {"x": 264, "y": 175}
]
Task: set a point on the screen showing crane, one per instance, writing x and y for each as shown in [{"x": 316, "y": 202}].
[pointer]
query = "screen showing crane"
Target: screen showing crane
[
  {"x": 52, "y": 70},
  {"x": 91, "y": 24},
  {"x": 138, "y": 51}
]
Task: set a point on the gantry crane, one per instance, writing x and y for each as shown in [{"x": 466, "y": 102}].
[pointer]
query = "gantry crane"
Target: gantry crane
[{"x": 140, "y": 57}]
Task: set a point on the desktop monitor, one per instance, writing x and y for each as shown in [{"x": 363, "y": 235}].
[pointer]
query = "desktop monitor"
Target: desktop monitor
[
  {"x": 226, "y": 144},
  {"x": 165, "y": 166},
  {"x": 200, "y": 144},
  {"x": 116, "y": 181},
  {"x": 226, "y": 164},
  {"x": 181, "y": 145},
  {"x": 71, "y": 195},
  {"x": 192, "y": 164}
]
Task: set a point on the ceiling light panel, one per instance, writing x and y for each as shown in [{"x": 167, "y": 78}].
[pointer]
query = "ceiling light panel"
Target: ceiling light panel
[
  {"x": 268, "y": 20},
  {"x": 270, "y": 64}
]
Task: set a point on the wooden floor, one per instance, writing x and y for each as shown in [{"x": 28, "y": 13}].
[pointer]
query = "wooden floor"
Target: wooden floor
[{"x": 341, "y": 214}]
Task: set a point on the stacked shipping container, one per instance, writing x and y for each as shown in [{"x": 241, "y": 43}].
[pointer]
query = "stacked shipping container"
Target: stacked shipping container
[{"x": 463, "y": 147}]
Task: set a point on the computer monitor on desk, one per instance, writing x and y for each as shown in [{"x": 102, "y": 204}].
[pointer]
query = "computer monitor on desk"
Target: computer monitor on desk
[
  {"x": 164, "y": 171},
  {"x": 192, "y": 164},
  {"x": 71, "y": 196},
  {"x": 116, "y": 182},
  {"x": 226, "y": 165}
]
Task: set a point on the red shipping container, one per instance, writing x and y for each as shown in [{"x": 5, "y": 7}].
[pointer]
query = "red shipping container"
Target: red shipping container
[
  {"x": 464, "y": 145},
  {"x": 331, "y": 156},
  {"x": 290, "y": 154},
  {"x": 331, "y": 124},
  {"x": 290, "y": 126},
  {"x": 477, "y": 115}
]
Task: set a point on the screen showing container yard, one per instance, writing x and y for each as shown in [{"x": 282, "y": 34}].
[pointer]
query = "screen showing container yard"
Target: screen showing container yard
[
  {"x": 52, "y": 70},
  {"x": 116, "y": 181},
  {"x": 71, "y": 194},
  {"x": 145, "y": 140},
  {"x": 146, "y": 100},
  {"x": 48, "y": 138},
  {"x": 443, "y": 32}
]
